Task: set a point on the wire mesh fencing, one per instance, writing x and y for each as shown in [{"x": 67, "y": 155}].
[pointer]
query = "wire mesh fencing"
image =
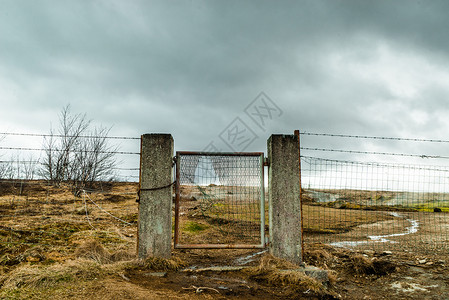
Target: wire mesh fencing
[
  {"x": 43, "y": 222},
  {"x": 219, "y": 200},
  {"x": 380, "y": 206}
]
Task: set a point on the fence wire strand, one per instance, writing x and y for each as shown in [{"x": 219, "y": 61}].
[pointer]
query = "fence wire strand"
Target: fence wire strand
[
  {"x": 67, "y": 136},
  {"x": 374, "y": 153},
  {"x": 374, "y": 137}
]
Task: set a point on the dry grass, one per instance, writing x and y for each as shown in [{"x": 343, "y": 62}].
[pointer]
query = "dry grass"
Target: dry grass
[
  {"x": 320, "y": 258},
  {"x": 158, "y": 264},
  {"x": 54, "y": 221},
  {"x": 278, "y": 272},
  {"x": 319, "y": 219},
  {"x": 362, "y": 265},
  {"x": 92, "y": 262},
  {"x": 93, "y": 250},
  {"x": 36, "y": 276}
]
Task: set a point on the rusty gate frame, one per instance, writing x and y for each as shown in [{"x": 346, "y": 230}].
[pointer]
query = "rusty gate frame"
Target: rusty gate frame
[{"x": 263, "y": 241}]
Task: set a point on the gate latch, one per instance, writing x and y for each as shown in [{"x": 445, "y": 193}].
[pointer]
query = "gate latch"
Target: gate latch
[{"x": 266, "y": 162}]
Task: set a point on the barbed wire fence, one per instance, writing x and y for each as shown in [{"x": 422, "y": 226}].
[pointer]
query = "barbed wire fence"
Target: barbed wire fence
[
  {"x": 352, "y": 197},
  {"x": 36, "y": 214},
  {"x": 377, "y": 200},
  {"x": 12, "y": 161}
]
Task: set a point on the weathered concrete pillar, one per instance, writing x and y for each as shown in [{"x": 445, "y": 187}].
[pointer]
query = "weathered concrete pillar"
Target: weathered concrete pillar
[
  {"x": 155, "y": 205},
  {"x": 284, "y": 197}
]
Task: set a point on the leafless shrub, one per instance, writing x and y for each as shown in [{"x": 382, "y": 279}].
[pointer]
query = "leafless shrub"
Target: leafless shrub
[
  {"x": 23, "y": 168},
  {"x": 6, "y": 170},
  {"x": 94, "y": 159},
  {"x": 77, "y": 153}
]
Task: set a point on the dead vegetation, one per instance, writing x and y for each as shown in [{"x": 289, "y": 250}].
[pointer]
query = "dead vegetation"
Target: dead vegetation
[
  {"x": 364, "y": 265},
  {"x": 49, "y": 249},
  {"x": 93, "y": 250},
  {"x": 354, "y": 263},
  {"x": 35, "y": 276},
  {"x": 278, "y": 272},
  {"x": 91, "y": 262}
]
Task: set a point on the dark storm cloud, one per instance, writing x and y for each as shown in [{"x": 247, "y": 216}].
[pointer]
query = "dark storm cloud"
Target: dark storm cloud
[{"x": 191, "y": 67}]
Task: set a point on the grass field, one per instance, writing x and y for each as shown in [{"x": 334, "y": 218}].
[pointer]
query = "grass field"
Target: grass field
[{"x": 56, "y": 244}]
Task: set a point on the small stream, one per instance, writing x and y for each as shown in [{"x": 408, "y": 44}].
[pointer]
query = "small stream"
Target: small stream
[{"x": 413, "y": 228}]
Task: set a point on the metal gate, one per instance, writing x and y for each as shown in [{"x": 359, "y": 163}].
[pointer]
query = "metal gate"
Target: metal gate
[{"x": 220, "y": 200}]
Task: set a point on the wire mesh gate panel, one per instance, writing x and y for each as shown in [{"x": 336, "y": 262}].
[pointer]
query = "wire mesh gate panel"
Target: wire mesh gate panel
[
  {"x": 379, "y": 206},
  {"x": 220, "y": 201}
]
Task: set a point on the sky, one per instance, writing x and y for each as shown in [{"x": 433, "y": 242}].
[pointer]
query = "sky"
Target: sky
[{"x": 225, "y": 75}]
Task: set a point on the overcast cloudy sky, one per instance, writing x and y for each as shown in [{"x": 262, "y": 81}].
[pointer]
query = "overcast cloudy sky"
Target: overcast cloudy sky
[{"x": 196, "y": 69}]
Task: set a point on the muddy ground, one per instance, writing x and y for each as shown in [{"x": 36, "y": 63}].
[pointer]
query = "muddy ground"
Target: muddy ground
[
  {"x": 54, "y": 244},
  {"x": 354, "y": 275}
]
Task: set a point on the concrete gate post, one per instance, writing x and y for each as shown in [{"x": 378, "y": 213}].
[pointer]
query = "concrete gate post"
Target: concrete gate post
[
  {"x": 155, "y": 203},
  {"x": 284, "y": 197}
]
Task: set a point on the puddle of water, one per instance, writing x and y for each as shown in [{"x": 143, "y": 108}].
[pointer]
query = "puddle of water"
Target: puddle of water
[
  {"x": 249, "y": 258},
  {"x": 395, "y": 214},
  {"x": 411, "y": 287},
  {"x": 382, "y": 238}
]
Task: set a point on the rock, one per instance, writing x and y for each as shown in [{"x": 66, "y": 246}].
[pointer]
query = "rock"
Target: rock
[
  {"x": 369, "y": 252},
  {"x": 340, "y": 204},
  {"x": 386, "y": 253},
  {"x": 422, "y": 261},
  {"x": 214, "y": 269},
  {"x": 436, "y": 209},
  {"x": 156, "y": 274},
  {"x": 316, "y": 273}
]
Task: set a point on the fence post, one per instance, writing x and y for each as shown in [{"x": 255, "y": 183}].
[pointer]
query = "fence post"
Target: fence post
[
  {"x": 155, "y": 203},
  {"x": 284, "y": 197}
]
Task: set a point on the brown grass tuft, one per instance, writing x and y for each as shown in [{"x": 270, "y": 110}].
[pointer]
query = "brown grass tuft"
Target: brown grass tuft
[
  {"x": 122, "y": 255},
  {"x": 93, "y": 250},
  {"x": 268, "y": 261},
  {"x": 162, "y": 264},
  {"x": 43, "y": 276},
  {"x": 362, "y": 265},
  {"x": 320, "y": 258},
  {"x": 278, "y": 272}
]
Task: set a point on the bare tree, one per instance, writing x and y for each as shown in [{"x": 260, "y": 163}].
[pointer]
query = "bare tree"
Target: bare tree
[
  {"x": 77, "y": 154},
  {"x": 48, "y": 169},
  {"x": 94, "y": 159},
  {"x": 6, "y": 170},
  {"x": 60, "y": 147},
  {"x": 26, "y": 168},
  {"x": 6, "y": 167}
]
